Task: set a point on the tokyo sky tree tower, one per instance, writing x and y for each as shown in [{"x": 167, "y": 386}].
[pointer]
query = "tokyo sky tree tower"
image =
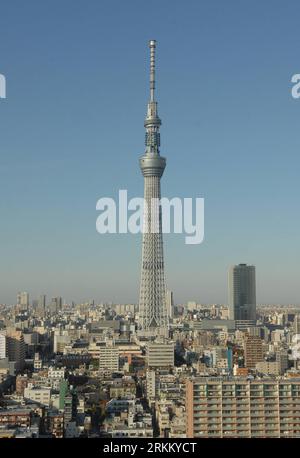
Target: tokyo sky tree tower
[{"x": 153, "y": 317}]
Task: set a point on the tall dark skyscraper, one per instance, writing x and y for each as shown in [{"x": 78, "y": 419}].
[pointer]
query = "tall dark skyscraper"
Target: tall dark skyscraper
[
  {"x": 242, "y": 292},
  {"x": 153, "y": 317}
]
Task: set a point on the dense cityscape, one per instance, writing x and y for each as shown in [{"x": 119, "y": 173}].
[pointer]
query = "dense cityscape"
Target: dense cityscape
[
  {"x": 81, "y": 370},
  {"x": 156, "y": 368}
]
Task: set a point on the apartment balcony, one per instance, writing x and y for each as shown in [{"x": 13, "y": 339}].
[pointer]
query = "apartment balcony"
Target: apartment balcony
[
  {"x": 289, "y": 434},
  {"x": 296, "y": 413},
  {"x": 288, "y": 424},
  {"x": 272, "y": 431},
  {"x": 213, "y": 425},
  {"x": 288, "y": 400},
  {"x": 214, "y": 428}
]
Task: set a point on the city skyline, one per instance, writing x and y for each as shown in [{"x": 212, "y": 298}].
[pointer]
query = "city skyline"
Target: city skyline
[
  {"x": 71, "y": 129},
  {"x": 149, "y": 294}
]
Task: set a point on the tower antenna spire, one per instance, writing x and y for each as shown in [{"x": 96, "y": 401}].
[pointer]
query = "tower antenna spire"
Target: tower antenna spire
[{"x": 152, "y": 46}]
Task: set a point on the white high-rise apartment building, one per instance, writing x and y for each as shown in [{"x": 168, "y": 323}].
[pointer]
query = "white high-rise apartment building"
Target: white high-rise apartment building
[
  {"x": 151, "y": 385},
  {"x": 2, "y": 346},
  {"x": 170, "y": 304},
  {"x": 109, "y": 357}
]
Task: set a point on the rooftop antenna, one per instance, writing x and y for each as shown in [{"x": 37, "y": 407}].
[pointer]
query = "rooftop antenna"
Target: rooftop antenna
[{"x": 152, "y": 46}]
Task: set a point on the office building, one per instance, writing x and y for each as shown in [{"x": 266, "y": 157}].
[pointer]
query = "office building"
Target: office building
[
  {"x": 42, "y": 302},
  {"x": 61, "y": 339},
  {"x": 160, "y": 354},
  {"x": 37, "y": 394},
  {"x": 242, "y": 293},
  {"x": 56, "y": 304},
  {"x": 23, "y": 300}
]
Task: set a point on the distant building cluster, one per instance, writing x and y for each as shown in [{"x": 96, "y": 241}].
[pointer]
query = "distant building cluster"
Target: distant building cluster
[{"x": 84, "y": 370}]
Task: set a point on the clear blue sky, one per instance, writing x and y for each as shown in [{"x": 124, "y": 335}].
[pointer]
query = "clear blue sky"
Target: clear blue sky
[{"x": 71, "y": 131}]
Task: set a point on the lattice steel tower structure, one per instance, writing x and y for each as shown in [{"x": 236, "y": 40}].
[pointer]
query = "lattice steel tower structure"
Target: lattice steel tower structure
[{"x": 153, "y": 316}]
